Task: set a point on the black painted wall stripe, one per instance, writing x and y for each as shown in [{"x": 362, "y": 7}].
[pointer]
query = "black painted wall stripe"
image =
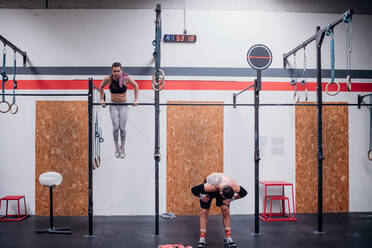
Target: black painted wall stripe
[{"x": 186, "y": 71}]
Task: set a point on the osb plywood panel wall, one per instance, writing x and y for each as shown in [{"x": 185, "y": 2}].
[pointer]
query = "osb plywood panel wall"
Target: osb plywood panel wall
[
  {"x": 194, "y": 150},
  {"x": 336, "y": 163},
  {"x": 62, "y": 146}
]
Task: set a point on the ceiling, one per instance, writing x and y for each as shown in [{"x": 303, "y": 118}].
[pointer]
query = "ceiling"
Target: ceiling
[{"x": 313, "y": 6}]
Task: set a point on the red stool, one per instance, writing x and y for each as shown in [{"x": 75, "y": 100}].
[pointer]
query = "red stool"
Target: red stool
[
  {"x": 13, "y": 198},
  {"x": 283, "y": 213}
]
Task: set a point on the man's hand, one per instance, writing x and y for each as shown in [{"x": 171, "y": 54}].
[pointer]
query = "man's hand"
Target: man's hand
[
  {"x": 227, "y": 202},
  {"x": 135, "y": 103},
  {"x": 204, "y": 197},
  {"x": 103, "y": 103}
]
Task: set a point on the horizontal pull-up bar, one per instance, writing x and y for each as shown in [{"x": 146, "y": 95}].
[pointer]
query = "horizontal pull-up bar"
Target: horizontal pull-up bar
[
  {"x": 237, "y": 94},
  {"x": 47, "y": 94},
  {"x": 240, "y": 104},
  {"x": 338, "y": 20},
  {"x": 360, "y": 103},
  {"x": 15, "y": 48}
]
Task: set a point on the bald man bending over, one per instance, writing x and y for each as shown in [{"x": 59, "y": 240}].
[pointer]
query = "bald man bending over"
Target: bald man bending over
[{"x": 225, "y": 190}]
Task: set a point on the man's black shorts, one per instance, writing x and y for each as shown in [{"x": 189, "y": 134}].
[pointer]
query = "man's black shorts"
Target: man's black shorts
[
  {"x": 217, "y": 195},
  {"x": 219, "y": 200}
]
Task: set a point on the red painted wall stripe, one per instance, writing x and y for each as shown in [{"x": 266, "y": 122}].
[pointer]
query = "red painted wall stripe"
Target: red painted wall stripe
[
  {"x": 182, "y": 85},
  {"x": 259, "y": 57}
]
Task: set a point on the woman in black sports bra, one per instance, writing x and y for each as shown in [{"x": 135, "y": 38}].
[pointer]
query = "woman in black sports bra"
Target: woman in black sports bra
[{"x": 117, "y": 83}]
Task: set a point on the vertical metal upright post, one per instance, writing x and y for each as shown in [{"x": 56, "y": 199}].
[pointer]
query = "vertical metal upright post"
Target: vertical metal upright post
[
  {"x": 157, "y": 114},
  {"x": 90, "y": 161},
  {"x": 319, "y": 41},
  {"x": 257, "y": 89}
]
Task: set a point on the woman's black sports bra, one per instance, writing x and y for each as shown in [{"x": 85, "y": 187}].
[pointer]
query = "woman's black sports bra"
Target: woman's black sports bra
[{"x": 115, "y": 87}]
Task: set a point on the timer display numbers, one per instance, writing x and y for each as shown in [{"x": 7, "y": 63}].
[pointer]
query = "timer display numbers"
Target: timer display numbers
[{"x": 180, "y": 38}]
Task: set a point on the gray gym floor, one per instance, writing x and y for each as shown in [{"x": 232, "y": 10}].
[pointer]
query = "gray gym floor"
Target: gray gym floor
[{"x": 341, "y": 230}]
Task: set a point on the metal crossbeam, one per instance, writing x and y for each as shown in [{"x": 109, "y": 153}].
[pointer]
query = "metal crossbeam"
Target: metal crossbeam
[
  {"x": 338, "y": 20},
  {"x": 15, "y": 48},
  {"x": 239, "y": 104}
]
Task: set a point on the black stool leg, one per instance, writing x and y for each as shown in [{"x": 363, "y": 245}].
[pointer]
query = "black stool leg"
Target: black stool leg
[
  {"x": 51, "y": 225},
  {"x": 52, "y": 229}
]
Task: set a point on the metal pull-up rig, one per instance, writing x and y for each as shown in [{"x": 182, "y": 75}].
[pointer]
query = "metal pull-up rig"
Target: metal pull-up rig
[{"x": 318, "y": 37}]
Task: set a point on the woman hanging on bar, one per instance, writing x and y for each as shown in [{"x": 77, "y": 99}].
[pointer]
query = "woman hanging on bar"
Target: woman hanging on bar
[{"x": 118, "y": 82}]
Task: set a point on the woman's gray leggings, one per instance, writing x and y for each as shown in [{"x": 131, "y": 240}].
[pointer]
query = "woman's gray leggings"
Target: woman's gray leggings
[{"x": 119, "y": 117}]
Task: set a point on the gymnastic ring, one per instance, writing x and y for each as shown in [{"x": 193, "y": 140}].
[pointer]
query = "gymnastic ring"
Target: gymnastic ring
[
  {"x": 101, "y": 140},
  {"x": 98, "y": 162},
  {"x": 303, "y": 82},
  {"x": 1, "y": 111},
  {"x": 335, "y": 92},
  {"x": 94, "y": 163},
  {"x": 306, "y": 95},
  {"x": 161, "y": 86},
  {"x": 348, "y": 82},
  {"x": 293, "y": 82},
  {"x": 370, "y": 154},
  {"x": 162, "y": 77},
  {"x": 11, "y": 108},
  {"x": 296, "y": 97}
]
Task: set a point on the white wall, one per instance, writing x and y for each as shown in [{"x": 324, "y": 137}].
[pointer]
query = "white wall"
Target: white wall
[{"x": 99, "y": 37}]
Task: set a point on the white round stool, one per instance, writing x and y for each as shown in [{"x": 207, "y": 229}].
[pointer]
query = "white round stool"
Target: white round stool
[{"x": 50, "y": 179}]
